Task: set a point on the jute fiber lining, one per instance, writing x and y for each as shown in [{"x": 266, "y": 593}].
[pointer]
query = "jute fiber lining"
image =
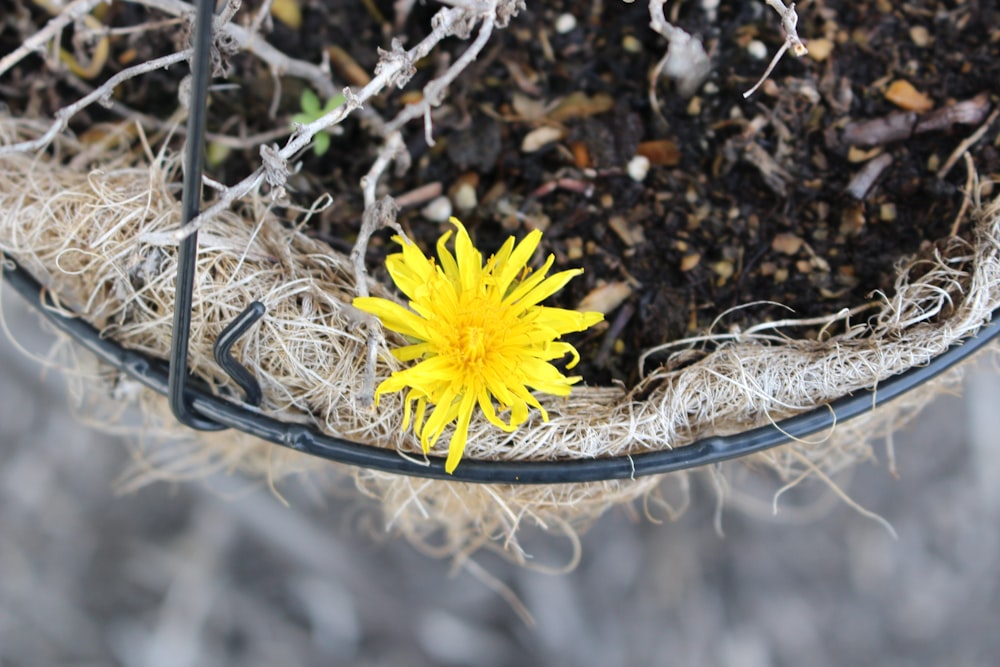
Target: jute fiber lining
[{"x": 94, "y": 226}]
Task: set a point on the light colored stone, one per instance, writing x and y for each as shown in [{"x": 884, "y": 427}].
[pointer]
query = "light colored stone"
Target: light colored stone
[
  {"x": 757, "y": 49},
  {"x": 540, "y": 137},
  {"x": 637, "y": 168},
  {"x": 438, "y": 209},
  {"x": 465, "y": 198},
  {"x": 565, "y": 23}
]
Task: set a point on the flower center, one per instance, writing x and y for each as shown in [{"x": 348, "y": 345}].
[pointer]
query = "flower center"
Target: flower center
[
  {"x": 474, "y": 346},
  {"x": 476, "y": 336}
]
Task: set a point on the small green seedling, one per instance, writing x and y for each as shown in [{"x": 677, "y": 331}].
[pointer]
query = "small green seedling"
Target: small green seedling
[{"x": 311, "y": 110}]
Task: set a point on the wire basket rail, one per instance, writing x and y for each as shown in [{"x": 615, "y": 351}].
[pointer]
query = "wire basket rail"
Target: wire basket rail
[{"x": 195, "y": 406}]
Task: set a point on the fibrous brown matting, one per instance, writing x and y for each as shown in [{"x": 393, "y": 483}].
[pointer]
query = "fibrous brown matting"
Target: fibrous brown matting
[{"x": 95, "y": 227}]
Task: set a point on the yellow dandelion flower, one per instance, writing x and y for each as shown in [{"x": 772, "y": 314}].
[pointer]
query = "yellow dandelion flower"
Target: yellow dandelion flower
[{"x": 482, "y": 337}]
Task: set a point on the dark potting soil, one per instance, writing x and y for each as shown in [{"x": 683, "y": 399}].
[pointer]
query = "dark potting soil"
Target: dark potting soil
[{"x": 806, "y": 195}]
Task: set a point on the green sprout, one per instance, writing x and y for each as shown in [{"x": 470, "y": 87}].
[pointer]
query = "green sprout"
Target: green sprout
[{"x": 311, "y": 111}]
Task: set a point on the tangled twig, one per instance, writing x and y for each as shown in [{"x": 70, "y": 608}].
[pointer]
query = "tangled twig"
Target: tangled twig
[
  {"x": 392, "y": 71},
  {"x": 103, "y": 92},
  {"x": 73, "y": 12},
  {"x": 789, "y": 21}
]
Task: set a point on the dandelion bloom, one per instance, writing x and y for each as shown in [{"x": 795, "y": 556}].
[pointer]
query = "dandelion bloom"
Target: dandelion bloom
[{"x": 482, "y": 337}]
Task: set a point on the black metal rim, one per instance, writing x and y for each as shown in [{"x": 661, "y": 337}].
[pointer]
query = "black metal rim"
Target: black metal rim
[
  {"x": 194, "y": 406},
  {"x": 153, "y": 373}
]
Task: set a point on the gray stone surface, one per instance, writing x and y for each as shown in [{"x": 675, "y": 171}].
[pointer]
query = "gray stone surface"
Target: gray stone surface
[{"x": 221, "y": 573}]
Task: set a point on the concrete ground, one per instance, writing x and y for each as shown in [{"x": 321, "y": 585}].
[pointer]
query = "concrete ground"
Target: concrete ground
[{"x": 212, "y": 573}]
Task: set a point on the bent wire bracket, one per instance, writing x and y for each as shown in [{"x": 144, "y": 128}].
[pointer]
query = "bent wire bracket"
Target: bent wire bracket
[
  {"x": 224, "y": 355},
  {"x": 187, "y": 253},
  {"x": 180, "y": 402}
]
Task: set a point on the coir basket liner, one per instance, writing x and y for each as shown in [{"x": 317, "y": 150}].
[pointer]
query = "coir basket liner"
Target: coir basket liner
[{"x": 95, "y": 228}]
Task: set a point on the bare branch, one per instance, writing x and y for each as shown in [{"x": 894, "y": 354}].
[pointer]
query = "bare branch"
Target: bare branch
[
  {"x": 685, "y": 60},
  {"x": 967, "y": 143},
  {"x": 377, "y": 215},
  {"x": 767, "y": 72},
  {"x": 445, "y": 23},
  {"x": 253, "y": 43},
  {"x": 262, "y": 19},
  {"x": 170, "y": 125},
  {"x": 73, "y": 12},
  {"x": 435, "y": 90},
  {"x": 103, "y": 92},
  {"x": 789, "y": 23}
]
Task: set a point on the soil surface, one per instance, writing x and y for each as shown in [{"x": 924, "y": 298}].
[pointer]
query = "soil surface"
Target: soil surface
[{"x": 807, "y": 194}]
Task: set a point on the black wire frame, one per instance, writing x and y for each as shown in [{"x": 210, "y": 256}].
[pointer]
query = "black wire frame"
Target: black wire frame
[
  {"x": 187, "y": 251},
  {"x": 153, "y": 373},
  {"x": 195, "y": 406}
]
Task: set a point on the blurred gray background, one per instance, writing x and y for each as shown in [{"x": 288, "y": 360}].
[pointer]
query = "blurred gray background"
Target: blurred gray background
[{"x": 221, "y": 573}]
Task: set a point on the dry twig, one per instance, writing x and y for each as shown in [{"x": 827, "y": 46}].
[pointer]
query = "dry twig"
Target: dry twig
[
  {"x": 100, "y": 93},
  {"x": 967, "y": 143},
  {"x": 395, "y": 68},
  {"x": 73, "y": 12},
  {"x": 789, "y": 21},
  {"x": 685, "y": 60}
]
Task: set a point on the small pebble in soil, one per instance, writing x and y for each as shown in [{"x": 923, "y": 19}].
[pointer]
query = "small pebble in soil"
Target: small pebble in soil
[
  {"x": 631, "y": 44},
  {"x": 565, "y": 23},
  {"x": 820, "y": 49},
  {"x": 757, "y": 49},
  {"x": 539, "y": 137},
  {"x": 710, "y": 7},
  {"x": 688, "y": 262},
  {"x": 903, "y": 94},
  {"x": 574, "y": 248},
  {"x": 920, "y": 36},
  {"x": 724, "y": 269},
  {"x": 605, "y": 298},
  {"x": 438, "y": 210},
  {"x": 637, "y": 168},
  {"x": 465, "y": 197},
  {"x": 787, "y": 244}
]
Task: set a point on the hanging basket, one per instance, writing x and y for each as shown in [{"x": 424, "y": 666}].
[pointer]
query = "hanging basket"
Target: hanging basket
[
  {"x": 276, "y": 352},
  {"x": 98, "y": 239}
]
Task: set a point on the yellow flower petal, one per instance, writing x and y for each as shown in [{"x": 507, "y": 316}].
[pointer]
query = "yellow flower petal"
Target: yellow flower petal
[
  {"x": 448, "y": 264},
  {"x": 458, "y": 440},
  {"x": 470, "y": 260},
  {"x": 547, "y": 287},
  {"x": 496, "y": 262},
  {"x": 392, "y": 315},
  {"x": 529, "y": 283},
  {"x": 486, "y": 405},
  {"x": 508, "y": 270},
  {"x": 410, "y": 269}
]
